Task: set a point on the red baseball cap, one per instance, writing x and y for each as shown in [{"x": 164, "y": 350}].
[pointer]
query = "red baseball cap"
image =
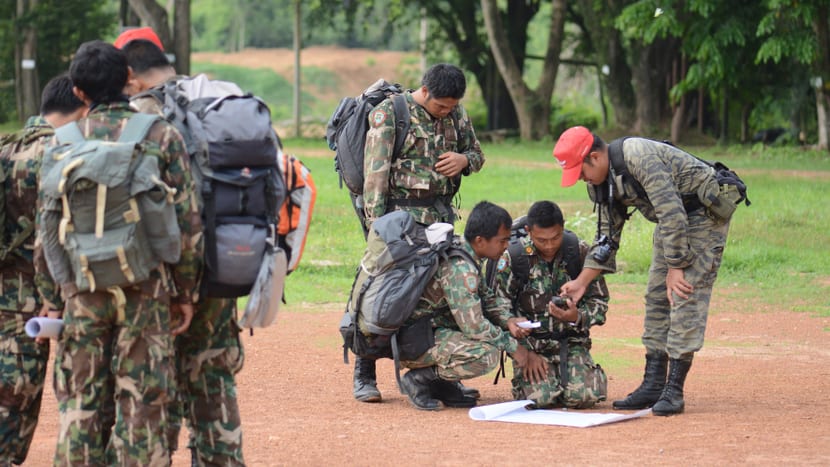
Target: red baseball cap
[
  {"x": 570, "y": 150},
  {"x": 145, "y": 33}
]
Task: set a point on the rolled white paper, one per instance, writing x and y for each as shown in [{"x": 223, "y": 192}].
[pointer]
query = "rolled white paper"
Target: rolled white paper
[{"x": 44, "y": 327}]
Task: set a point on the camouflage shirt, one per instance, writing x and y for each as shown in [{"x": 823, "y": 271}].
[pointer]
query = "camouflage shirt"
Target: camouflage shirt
[
  {"x": 106, "y": 122},
  {"x": 23, "y": 287},
  {"x": 411, "y": 176},
  {"x": 544, "y": 279},
  {"x": 667, "y": 174},
  {"x": 457, "y": 297}
]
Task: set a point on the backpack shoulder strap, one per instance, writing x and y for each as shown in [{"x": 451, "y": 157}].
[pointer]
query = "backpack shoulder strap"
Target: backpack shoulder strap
[
  {"x": 615, "y": 156},
  {"x": 570, "y": 254},
  {"x": 137, "y": 127},
  {"x": 401, "y": 122},
  {"x": 519, "y": 262},
  {"x": 70, "y": 133}
]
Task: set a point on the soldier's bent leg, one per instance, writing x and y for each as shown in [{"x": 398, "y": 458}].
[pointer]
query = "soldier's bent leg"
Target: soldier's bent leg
[
  {"x": 587, "y": 382},
  {"x": 210, "y": 354}
]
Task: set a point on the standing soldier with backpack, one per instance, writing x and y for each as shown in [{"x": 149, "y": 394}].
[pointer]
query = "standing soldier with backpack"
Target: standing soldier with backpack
[
  {"x": 210, "y": 353},
  {"x": 530, "y": 273},
  {"x": 121, "y": 255},
  {"x": 424, "y": 177},
  {"x": 27, "y": 291}
]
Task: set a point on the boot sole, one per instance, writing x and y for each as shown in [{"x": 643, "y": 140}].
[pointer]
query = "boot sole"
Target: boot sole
[{"x": 370, "y": 399}]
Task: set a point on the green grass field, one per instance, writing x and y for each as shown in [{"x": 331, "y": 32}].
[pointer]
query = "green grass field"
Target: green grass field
[{"x": 776, "y": 252}]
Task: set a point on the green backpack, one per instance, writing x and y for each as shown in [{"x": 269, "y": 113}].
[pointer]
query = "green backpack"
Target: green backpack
[{"x": 114, "y": 216}]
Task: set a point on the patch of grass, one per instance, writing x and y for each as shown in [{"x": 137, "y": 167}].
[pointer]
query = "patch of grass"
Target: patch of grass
[{"x": 775, "y": 254}]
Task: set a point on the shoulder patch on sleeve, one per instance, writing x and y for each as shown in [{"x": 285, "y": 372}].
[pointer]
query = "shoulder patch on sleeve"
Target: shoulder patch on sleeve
[
  {"x": 501, "y": 264},
  {"x": 471, "y": 283},
  {"x": 378, "y": 117}
]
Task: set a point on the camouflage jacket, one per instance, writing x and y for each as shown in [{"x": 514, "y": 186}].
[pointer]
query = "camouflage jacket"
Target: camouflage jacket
[
  {"x": 667, "y": 174},
  {"x": 106, "y": 122},
  {"x": 544, "y": 279},
  {"x": 411, "y": 176},
  {"x": 23, "y": 286},
  {"x": 457, "y": 297}
]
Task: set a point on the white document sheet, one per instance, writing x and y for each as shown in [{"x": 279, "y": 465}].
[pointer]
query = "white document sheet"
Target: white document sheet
[{"x": 515, "y": 412}]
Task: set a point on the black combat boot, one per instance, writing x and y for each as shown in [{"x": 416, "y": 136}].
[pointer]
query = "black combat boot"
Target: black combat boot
[
  {"x": 365, "y": 381},
  {"x": 654, "y": 380},
  {"x": 417, "y": 384},
  {"x": 451, "y": 393},
  {"x": 469, "y": 392},
  {"x": 671, "y": 400}
]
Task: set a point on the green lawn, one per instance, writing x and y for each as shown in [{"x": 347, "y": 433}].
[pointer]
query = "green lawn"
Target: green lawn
[{"x": 776, "y": 253}]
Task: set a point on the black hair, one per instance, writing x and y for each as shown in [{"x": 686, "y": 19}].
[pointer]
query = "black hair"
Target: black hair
[
  {"x": 544, "y": 214},
  {"x": 58, "y": 97},
  {"x": 99, "y": 69},
  {"x": 143, "y": 55},
  {"x": 445, "y": 80},
  {"x": 485, "y": 220},
  {"x": 598, "y": 144}
]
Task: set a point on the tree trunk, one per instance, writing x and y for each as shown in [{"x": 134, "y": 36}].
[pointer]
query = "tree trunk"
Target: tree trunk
[
  {"x": 609, "y": 50},
  {"x": 652, "y": 63},
  {"x": 25, "y": 57},
  {"x": 155, "y": 16},
  {"x": 822, "y": 29},
  {"x": 181, "y": 36},
  {"x": 458, "y": 20},
  {"x": 679, "y": 112},
  {"x": 532, "y": 106},
  {"x": 298, "y": 131}
]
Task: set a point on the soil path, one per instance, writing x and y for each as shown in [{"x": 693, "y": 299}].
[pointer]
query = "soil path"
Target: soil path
[{"x": 757, "y": 394}]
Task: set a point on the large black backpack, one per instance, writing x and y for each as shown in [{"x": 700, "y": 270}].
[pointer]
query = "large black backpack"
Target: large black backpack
[
  {"x": 234, "y": 154},
  {"x": 346, "y": 135}
]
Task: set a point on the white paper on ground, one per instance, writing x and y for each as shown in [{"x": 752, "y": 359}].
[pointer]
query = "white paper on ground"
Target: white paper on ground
[
  {"x": 515, "y": 412},
  {"x": 44, "y": 327}
]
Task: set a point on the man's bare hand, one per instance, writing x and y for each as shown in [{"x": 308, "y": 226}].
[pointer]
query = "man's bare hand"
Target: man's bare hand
[
  {"x": 515, "y": 330},
  {"x": 181, "y": 314},
  {"x": 450, "y": 164},
  {"x": 534, "y": 367},
  {"x": 676, "y": 284}
]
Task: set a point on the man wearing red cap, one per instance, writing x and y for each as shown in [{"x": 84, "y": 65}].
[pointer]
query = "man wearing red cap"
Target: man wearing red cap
[
  {"x": 680, "y": 193},
  {"x": 145, "y": 33}
]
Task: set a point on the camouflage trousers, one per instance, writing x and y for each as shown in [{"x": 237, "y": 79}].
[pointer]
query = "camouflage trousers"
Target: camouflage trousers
[
  {"x": 22, "y": 375},
  {"x": 679, "y": 330},
  {"x": 114, "y": 351},
  {"x": 208, "y": 355},
  {"x": 457, "y": 357},
  {"x": 586, "y": 381}
]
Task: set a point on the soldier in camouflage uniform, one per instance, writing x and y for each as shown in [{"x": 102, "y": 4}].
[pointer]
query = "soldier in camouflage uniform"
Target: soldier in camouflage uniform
[
  {"x": 563, "y": 338},
  {"x": 668, "y": 186},
  {"x": 439, "y": 148},
  {"x": 25, "y": 291},
  {"x": 461, "y": 307},
  {"x": 209, "y": 354},
  {"x": 117, "y": 344}
]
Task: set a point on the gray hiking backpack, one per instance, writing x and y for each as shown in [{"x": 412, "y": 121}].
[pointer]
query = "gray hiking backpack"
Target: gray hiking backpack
[
  {"x": 397, "y": 266},
  {"x": 114, "y": 216},
  {"x": 234, "y": 153}
]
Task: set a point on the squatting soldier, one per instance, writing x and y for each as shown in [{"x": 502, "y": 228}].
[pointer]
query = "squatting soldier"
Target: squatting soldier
[
  {"x": 439, "y": 148},
  {"x": 115, "y": 343},
  {"x": 25, "y": 291},
  {"x": 209, "y": 354},
  {"x": 530, "y": 274},
  {"x": 669, "y": 187},
  {"x": 461, "y": 307}
]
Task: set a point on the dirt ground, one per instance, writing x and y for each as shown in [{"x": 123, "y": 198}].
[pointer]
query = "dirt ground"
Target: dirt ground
[{"x": 757, "y": 394}]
